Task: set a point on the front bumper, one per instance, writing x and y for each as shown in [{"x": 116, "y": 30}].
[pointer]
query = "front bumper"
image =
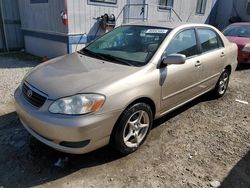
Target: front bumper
[{"x": 54, "y": 129}]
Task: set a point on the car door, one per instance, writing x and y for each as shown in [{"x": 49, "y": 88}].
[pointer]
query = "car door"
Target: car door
[
  {"x": 212, "y": 57},
  {"x": 181, "y": 82}
]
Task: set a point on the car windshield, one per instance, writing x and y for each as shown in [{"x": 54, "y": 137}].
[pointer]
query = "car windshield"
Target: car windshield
[
  {"x": 130, "y": 45},
  {"x": 238, "y": 31}
]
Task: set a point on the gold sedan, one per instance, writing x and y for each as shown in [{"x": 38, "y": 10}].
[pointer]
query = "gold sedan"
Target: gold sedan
[{"x": 113, "y": 89}]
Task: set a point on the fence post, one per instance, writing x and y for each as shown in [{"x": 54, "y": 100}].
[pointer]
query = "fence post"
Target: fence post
[{"x": 2, "y": 27}]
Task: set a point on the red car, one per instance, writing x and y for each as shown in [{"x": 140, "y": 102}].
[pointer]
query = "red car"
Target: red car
[{"x": 239, "y": 33}]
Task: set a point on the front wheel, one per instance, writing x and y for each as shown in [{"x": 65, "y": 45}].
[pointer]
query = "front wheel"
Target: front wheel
[
  {"x": 222, "y": 84},
  {"x": 133, "y": 128}
]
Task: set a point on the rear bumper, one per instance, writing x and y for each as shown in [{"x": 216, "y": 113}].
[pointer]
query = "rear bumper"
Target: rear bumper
[
  {"x": 53, "y": 129},
  {"x": 243, "y": 57}
]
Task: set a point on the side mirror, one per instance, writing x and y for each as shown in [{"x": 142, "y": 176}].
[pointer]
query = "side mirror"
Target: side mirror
[{"x": 176, "y": 59}]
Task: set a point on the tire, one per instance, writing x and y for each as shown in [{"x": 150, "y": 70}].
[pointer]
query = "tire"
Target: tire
[
  {"x": 222, "y": 84},
  {"x": 132, "y": 128}
]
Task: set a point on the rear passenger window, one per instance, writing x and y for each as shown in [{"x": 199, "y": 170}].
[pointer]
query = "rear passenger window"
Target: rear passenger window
[
  {"x": 209, "y": 40},
  {"x": 183, "y": 43}
]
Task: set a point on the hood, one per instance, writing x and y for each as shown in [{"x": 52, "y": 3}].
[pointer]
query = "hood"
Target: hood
[
  {"x": 76, "y": 73},
  {"x": 240, "y": 41}
]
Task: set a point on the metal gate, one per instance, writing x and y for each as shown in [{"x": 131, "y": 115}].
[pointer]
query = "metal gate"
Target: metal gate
[
  {"x": 135, "y": 11},
  {"x": 11, "y": 37},
  {"x": 139, "y": 11}
]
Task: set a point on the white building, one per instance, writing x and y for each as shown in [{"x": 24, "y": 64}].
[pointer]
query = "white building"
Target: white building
[{"x": 37, "y": 25}]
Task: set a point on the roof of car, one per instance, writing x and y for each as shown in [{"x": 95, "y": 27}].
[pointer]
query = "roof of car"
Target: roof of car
[
  {"x": 169, "y": 25},
  {"x": 241, "y": 23}
]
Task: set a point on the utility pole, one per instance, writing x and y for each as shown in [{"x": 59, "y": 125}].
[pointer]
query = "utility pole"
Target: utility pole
[{"x": 2, "y": 28}]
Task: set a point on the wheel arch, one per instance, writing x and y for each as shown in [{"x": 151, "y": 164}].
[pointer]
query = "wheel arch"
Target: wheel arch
[
  {"x": 145, "y": 100},
  {"x": 229, "y": 68}
]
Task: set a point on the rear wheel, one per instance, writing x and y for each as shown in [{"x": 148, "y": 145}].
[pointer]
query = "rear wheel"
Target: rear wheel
[
  {"x": 222, "y": 84},
  {"x": 133, "y": 128}
]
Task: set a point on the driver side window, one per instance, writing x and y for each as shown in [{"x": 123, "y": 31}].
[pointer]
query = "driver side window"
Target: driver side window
[{"x": 183, "y": 43}]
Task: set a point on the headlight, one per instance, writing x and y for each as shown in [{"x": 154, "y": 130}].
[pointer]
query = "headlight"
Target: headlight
[
  {"x": 77, "y": 104},
  {"x": 246, "y": 48}
]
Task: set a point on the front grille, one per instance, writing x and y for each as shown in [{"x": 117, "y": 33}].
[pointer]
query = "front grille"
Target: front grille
[{"x": 33, "y": 96}]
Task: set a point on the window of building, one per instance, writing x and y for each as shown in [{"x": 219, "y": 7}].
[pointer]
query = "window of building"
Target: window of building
[
  {"x": 201, "y": 6},
  {"x": 166, "y": 4},
  {"x": 38, "y": 1},
  {"x": 184, "y": 43},
  {"x": 104, "y": 1},
  {"x": 209, "y": 40},
  {"x": 248, "y": 8}
]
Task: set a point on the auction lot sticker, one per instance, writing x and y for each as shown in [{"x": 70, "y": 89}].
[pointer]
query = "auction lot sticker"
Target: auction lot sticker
[{"x": 157, "y": 31}]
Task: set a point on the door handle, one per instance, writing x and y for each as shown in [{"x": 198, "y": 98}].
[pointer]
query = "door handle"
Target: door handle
[
  {"x": 197, "y": 64},
  {"x": 222, "y": 54}
]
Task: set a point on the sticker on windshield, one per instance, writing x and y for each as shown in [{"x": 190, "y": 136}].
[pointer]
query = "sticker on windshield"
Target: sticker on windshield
[{"x": 157, "y": 31}]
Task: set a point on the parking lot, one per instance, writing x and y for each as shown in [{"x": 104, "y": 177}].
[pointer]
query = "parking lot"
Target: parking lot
[{"x": 206, "y": 143}]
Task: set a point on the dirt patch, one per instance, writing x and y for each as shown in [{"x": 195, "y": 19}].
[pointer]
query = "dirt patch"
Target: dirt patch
[
  {"x": 203, "y": 144},
  {"x": 13, "y": 67}
]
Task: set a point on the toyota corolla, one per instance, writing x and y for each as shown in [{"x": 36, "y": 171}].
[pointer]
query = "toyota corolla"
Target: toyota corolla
[{"x": 113, "y": 89}]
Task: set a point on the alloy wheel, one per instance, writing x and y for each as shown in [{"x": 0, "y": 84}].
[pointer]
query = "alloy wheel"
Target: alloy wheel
[
  {"x": 223, "y": 83},
  {"x": 136, "y": 128}
]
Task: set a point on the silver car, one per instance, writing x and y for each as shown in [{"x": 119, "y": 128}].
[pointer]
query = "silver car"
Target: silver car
[{"x": 113, "y": 89}]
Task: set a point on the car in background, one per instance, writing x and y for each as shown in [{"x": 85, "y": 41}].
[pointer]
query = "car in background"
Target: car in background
[
  {"x": 113, "y": 89},
  {"x": 239, "y": 33}
]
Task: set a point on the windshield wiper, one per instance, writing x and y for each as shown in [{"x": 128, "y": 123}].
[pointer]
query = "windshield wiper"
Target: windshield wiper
[
  {"x": 243, "y": 36},
  {"x": 116, "y": 59},
  {"x": 85, "y": 51},
  {"x": 106, "y": 57}
]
